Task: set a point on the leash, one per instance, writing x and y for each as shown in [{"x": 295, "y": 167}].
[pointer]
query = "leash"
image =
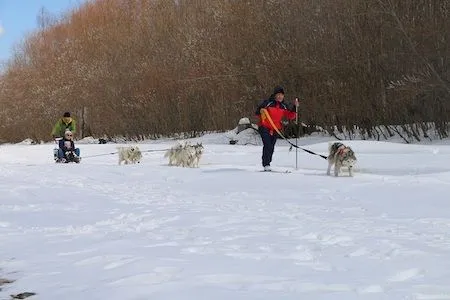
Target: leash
[
  {"x": 104, "y": 154},
  {"x": 266, "y": 115},
  {"x": 112, "y": 153}
]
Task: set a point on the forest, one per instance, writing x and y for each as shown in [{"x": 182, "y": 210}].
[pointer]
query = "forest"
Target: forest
[{"x": 150, "y": 68}]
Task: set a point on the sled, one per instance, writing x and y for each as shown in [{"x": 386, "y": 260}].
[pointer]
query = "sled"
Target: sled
[{"x": 70, "y": 157}]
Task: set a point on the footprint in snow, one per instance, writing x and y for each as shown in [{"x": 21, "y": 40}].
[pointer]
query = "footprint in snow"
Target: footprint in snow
[{"x": 405, "y": 275}]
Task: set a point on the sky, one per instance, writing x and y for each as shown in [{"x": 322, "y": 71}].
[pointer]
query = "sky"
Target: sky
[
  {"x": 18, "y": 17},
  {"x": 226, "y": 230}
]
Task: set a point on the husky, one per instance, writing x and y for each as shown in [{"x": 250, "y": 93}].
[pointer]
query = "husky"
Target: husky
[
  {"x": 185, "y": 155},
  {"x": 172, "y": 153},
  {"x": 129, "y": 155},
  {"x": 196, "y": 154},
  {"x": 340, "y": 156}
]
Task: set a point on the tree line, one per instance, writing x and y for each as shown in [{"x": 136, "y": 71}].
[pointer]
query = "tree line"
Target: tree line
[{"x": 143, "y": 68}]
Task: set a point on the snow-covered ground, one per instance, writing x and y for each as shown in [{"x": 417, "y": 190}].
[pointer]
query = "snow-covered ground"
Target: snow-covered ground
[{"x": 97, "y": 230}]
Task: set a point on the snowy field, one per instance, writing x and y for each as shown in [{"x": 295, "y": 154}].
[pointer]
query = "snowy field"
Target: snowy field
[{"x": 97, "y": 230}]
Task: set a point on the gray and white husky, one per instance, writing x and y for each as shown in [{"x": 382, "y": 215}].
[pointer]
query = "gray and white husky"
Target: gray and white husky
[
  {"x": 185, "y": 155},
  {"x": 340, "y": 156}
]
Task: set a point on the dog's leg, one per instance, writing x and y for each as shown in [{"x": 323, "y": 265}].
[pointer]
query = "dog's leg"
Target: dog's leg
[
  {"x": 330, "y": 163},
  {"x": 191, "y": 161},
  {"x": 177, "y": 162},
  {"x": 350, "y": 171},
  {"x": 337, "y": 168}
]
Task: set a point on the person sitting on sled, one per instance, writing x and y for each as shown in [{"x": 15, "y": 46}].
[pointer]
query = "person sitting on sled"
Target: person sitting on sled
[
  {"x": 63, "y": 124},
  {"x": 67, "y": 151}
]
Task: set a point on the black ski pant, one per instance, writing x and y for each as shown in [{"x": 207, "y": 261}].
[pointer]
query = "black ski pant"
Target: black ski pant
[{"x": 269, "y": 141}]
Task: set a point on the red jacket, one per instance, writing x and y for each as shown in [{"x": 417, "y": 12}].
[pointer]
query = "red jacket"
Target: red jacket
[{"x": 277, "y": 111}]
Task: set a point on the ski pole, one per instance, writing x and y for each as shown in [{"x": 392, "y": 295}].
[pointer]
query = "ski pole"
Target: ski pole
[{"x": 296, "y": 135}]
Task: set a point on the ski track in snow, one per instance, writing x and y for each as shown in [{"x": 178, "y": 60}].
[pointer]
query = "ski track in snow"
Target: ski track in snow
[{"x": 101, "y": 231}]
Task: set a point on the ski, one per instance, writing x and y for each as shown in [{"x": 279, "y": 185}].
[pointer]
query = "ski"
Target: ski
[{"x": 276, "y": 171}]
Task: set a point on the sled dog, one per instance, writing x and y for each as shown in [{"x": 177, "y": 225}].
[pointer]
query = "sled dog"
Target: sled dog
[
  {"x": 172, "y": 153},
  {"x": 340, "y": 156},
  {"x": 129, "y": 155},
  {"x": 185, "y": 155}
]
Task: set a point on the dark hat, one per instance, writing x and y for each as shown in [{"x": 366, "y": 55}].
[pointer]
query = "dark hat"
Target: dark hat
[
  {"x": 66, "y": 115},
  {"x": 278, "y": 89}
]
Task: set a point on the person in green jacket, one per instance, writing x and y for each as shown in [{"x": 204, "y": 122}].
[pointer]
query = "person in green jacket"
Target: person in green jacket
[{"x": 63, "y": 124}]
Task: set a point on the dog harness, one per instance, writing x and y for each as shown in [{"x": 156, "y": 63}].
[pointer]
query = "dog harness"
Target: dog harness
[{"x": 342, "y": 150}]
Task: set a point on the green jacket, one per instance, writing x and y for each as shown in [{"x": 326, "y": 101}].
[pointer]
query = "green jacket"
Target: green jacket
[{"x": 60, "y": 127}]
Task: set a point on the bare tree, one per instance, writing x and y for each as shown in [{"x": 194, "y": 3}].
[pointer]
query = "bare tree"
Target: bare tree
[{"x": 155, "y": 67}]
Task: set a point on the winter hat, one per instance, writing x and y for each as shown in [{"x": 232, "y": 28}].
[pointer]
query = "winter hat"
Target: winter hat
[
  {"x": 66, "y": 115},
  {"x": 278, "y": 89},
  {"x": 67, "y": 132}
]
